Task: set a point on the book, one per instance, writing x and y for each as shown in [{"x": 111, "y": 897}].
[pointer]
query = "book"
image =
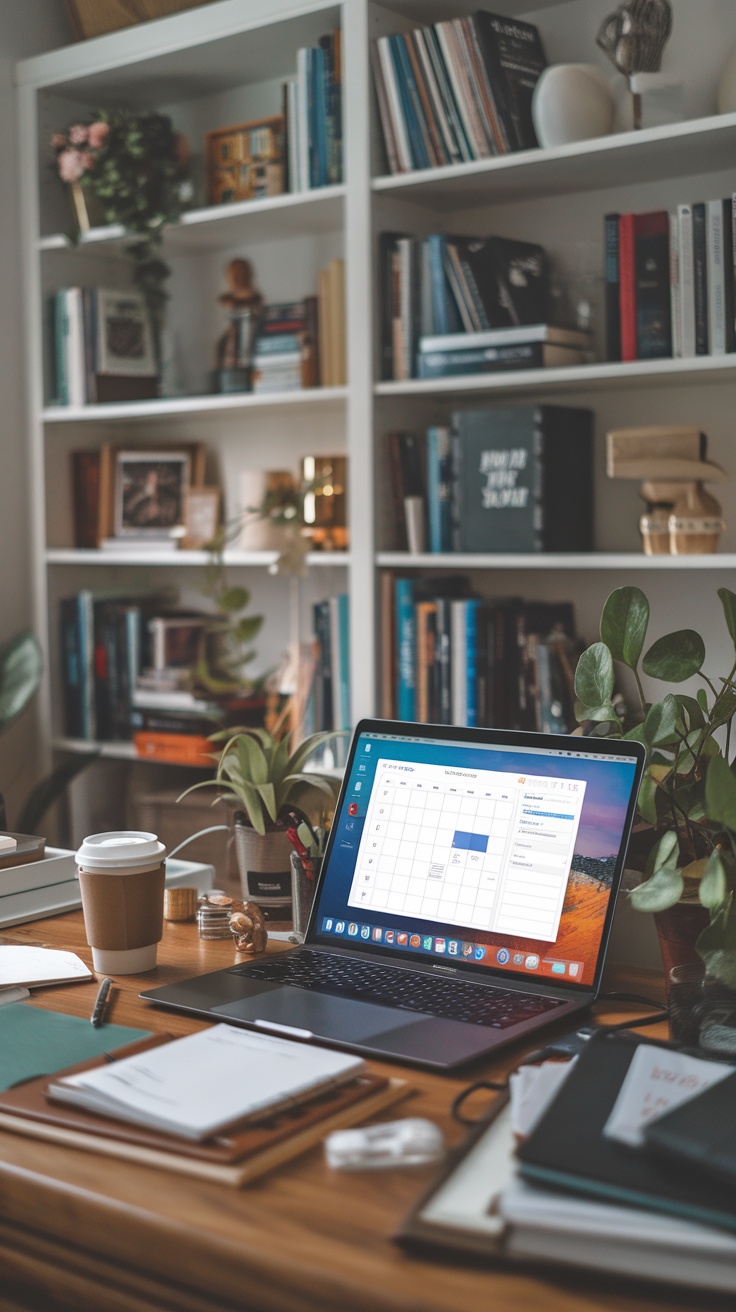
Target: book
[
  {"x": 696, "y": 1136},
  {"x": 652, "y": 292},
  {"x": 496, "y": 359},
  {"x": 176, "y": 747},
  {"x": 522, "y": 335},
  {"x": 439, "y": 478},
  {"x": 36, "y": 1042},
  {"x": 700, "y": 278},
  {"x": 687, "y": 280},
  {"x": 406, "y": 650},
  {"x": 24, "y": 965},
  {"x": 613, "y": 288},
  {"x": 627, "y": 285},
  {"x": 198, "y": 1085},
  {"x": 675, "y": 311},
  {"x": 515, "y": 58},
  {"x": 522, "y": 479},
  {"x": 720, "y": 276},
  {"x": 234, "y": 1158}
]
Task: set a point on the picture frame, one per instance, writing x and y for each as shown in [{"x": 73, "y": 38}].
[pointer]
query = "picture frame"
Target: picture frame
[
  {"x": 150, "y": 493},
  {"x": 201, "y": 516},
  {"x": 125, "y": 344},
  {"x": 245, "y": 162}
]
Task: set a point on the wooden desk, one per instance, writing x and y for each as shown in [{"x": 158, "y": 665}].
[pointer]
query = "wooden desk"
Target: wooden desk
[{"x": 81, "y": 1231}]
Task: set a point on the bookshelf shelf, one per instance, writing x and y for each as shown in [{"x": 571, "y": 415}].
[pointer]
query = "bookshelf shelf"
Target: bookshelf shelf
[
  {"x": 188, "y": 559},
  {"x": 220, "y": 226},
  {"x": 603, "y": 560},
  {"x": 678, "y": 150},
  {"x": 326, "y": 398},
  {"x": 638, "y": 373}
]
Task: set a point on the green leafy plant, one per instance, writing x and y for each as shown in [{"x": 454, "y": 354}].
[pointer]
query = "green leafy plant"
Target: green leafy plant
[
  {"x": 257, "y": 772},
  {"x": 687, "y": 796},
  {"x": 136, "y": 167},
  {"x": 225, "y": 649}
]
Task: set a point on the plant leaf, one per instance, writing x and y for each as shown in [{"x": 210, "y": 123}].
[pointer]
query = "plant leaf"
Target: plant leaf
[
  {"x": 725, "y": 709},
  {"x": 728, "y": 601},
  {"x": 251, "y": 760},
  {"x": 720, "y": 793},
  {"x": 624, "y": 624},
  {"x": 713, "y": 885},
  {"x": 647, "y": 800},
  {"x": 233, "y": 599},
  {"x": 267, "y": 794},
  {"x": 659, "y": 726},
  {"x": 21, "y": 667},
  {"x": 717, "y": 946},
  {"x": 675, "y": 657},
  {"x": 594, "y": 676},
  {"x": 666, "y": 850},
  {"x": 691, "y": 711},
  {"x": 251, "y": 803},
  {"x": 663, "y": 890},
  {"x": 597, "y": 713}
]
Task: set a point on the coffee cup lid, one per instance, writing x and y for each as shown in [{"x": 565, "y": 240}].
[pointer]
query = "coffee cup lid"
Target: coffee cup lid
[{"x": 120, "y": 847}]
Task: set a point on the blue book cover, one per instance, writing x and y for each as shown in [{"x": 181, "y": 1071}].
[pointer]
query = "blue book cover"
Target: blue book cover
[
  {"x": 406, "y": 647},
  {"x": 471, "y": 639},
  {"x": 439, "y": 477},
  {"x": 410, "y": 105},
  {"x": 318, "y": 100}
]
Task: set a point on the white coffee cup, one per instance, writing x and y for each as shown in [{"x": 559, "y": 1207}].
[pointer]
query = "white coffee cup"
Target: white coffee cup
[{"x": 122, "y": 876}]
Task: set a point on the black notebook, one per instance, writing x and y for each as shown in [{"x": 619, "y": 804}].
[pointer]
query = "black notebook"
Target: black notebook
[
  {"x": 568, "y": 1149},
  {"x": 699, "y": 1135}
]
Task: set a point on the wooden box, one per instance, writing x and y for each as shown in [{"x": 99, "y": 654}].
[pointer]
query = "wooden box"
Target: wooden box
[{"x": 246, "y": 161}]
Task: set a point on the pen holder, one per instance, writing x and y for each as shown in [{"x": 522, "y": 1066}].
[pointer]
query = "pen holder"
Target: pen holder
[{"x": 302, "y": 894}]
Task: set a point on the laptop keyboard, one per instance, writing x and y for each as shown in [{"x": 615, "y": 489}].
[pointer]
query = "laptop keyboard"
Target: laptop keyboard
[{"x": 452, "y": 999}]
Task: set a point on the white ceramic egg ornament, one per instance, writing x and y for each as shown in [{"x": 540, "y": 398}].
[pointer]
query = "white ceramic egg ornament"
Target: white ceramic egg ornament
[{"x": 571, "y": 102}]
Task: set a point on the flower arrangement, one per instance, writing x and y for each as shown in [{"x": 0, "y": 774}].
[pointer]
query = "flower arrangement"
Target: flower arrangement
[{"x": 77, "y": 148}]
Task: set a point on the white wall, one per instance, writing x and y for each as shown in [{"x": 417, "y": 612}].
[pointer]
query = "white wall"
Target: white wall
[{"x": 26, "y": 28}]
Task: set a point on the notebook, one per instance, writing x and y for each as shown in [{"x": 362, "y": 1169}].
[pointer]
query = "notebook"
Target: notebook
[
  {"x": 197, "y": 1085},
  {"x": 465, "y": 899},
  {"x": 35, "y": 1042}
]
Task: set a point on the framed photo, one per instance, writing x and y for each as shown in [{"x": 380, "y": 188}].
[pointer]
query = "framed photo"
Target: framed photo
[
  {"x": 150, "y": 493},
  {"x": 124, "y": 338},
  {"x": 245, "y": 162},
  {"x": 201, "y": 516}
]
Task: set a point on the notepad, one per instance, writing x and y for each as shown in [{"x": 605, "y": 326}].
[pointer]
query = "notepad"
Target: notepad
[
  {"x": 21, "y": 965},
  {"x": 197, "y": 1085},
  {"x": 35, "y": 1042}
]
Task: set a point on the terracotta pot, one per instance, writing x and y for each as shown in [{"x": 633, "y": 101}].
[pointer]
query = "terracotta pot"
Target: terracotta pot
[{"x": 678, "y": 929}]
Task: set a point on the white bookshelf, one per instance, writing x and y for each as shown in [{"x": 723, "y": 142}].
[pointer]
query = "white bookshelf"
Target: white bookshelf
[{"x": 224, "y": 63}]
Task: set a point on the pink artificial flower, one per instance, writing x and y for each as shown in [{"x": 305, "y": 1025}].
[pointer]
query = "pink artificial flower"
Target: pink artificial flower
[
  {"x": 98, "y": 133},
  {"x": 78, "y": 134},
  {"x": 71, "y": 165}
]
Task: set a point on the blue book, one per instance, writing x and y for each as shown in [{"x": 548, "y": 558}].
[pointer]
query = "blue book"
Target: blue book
[
  {"x": 439, "y": 478},
  {"x": 410, "y": 104},
  {"x": 406, "y": 648},
  {"x": 444, "y": 310},
  {"x": 318, "y": 101},
  {"x": 471, "y": 640}
]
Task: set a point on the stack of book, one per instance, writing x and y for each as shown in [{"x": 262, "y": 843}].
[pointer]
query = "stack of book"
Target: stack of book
[
  {"x": 103, "y": 348},
  {"x": 501, "y": 479},
  {"x": 670, "y": 281},
  {"x": 285, "y": 356},
  {"x": 467, "y": 305},
  {"x": 313, "y": 111},
  {"x": 458, "y": 90},
  {"x": 331, "y": 299},
  {"x": 451, "y": 657}
]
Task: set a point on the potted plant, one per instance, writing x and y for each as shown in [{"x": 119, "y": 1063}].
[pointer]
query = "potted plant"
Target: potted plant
[
  {"x": 257, "y": 772},
  {"x": 687, "y": 798}
]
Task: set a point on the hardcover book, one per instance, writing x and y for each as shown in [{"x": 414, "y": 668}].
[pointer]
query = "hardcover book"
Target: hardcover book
[
  {"x": 523, "y": 479},
  {"x": 515, "y": 58}
]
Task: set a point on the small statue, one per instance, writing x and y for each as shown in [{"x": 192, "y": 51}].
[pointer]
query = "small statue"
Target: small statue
[
  {"x": 234, "y": 351},
  {"x": 248, "y": 928},
  {"x": 634, "y": 37}
]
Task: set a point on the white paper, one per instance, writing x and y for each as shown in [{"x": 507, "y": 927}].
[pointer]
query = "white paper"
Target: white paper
[
  {"x": 532, "y": 1089},
  {"x": 27, "y": 965},
  {"x": 656, "y": 1082},
  {"x": 197, "y": 1084}
]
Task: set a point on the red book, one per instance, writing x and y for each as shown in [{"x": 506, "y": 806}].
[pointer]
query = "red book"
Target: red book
[{"x": 627, "y": 285}]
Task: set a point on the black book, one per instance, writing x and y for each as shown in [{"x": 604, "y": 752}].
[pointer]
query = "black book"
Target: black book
[
  {"x": 323, "y": 674},
  {"x": 514, "y": 57},
  {"x": 569, "y": 1150},
  {"x": 523, "y": 479},
  {"x": 71, "y": 671},
  {"x": 613, "y": 287},
  {"x": 698, "y": 1136},
  {"x": 442, "y": 661},
  {"x": 652, "y": 279},
  {"x": 511, "y": 278},
  {"x": 700, "y": 278}
]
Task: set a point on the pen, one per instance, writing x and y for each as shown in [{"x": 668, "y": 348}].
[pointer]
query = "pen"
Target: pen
[
  {"x": 98, "y": 1010},
  {"x": 301, "y": 852}
]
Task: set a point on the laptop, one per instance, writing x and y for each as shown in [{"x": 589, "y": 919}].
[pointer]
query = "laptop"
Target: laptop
[{"x": 465, "y": 899}]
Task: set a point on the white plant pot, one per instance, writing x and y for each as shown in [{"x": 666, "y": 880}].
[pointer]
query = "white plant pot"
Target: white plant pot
[
  {"x": 264, "y": 865},
  {"x": 571, "y": 102}
]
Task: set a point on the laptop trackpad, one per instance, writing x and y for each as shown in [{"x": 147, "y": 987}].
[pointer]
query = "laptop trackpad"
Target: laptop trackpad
[{"x": 345, "y": 1019}]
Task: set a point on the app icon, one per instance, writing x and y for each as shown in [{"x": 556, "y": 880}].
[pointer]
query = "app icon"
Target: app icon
[
  {"x": 427, "y": 943},
  {"x": 327, "y": 924},
  {"x": 415, "y": 941},
  {"x": 357, "y": 786},
  {"x": 362, "y": 768},
  {"x": 377, "y": 934},
  {"x": 390, "y": 935},
  {"x": 349, "y": 826},
  {"x": 573, "y": 967},
  {"x": 353, "y": 808},
  {"x": 452, "y": 947},
  {"x": 402, "y": 940},
  {"x": 502, "y": 956},
  {"x": 518, "y": 958},
  {"x": 365, "y": 931},
  {"x": 467, "y": 949},
  {"x": 532, "y": 961},
  {"x": 439, "y": 945},
  {"x": 558, "y": 967},
  {"x": 479, "y": 953},
  {"x": 352, "y": 929},
  {"x": 339, "y": 926},
  {"x": 367, "y": 747}
]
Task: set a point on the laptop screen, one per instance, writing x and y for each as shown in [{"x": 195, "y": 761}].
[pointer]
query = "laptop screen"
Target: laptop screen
[{"x": 494, "y": 850}]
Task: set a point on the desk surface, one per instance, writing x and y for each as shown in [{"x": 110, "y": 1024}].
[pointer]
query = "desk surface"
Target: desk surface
[{"x": 79, "y": 1230}]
